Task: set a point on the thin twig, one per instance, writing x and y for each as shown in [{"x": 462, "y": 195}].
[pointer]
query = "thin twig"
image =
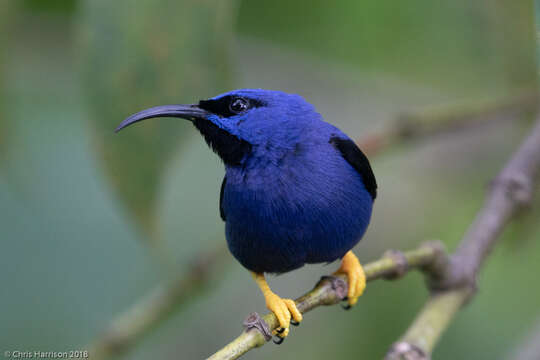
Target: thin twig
[
  {"x": 332, "y": 290},
  {"x": 511, "y": 190}
]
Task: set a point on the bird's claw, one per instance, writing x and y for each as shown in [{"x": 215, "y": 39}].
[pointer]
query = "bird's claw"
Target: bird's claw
[
  {"x": 278, "y": 340},
  {"x": 285, "y": 311},
  {"x": 351, "y": 267},
  {"x": 346, "y": 306}
]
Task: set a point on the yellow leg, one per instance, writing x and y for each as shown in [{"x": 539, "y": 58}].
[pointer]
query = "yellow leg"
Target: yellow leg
[
  {"x": 351, "y": 267},
  {"x": 282, "y": 308}
]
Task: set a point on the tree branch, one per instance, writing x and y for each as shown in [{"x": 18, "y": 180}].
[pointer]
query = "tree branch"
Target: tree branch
[
  {"x": 511, "y": 190},
  {"x": 332, "y": 290}
]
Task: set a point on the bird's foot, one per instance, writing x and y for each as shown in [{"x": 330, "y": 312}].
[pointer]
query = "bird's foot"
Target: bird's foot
[
  {"x": 285, "y": 310},
  {"x": 351, "y": 267}
]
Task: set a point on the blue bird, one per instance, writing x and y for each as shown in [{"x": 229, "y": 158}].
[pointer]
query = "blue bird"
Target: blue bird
[{"x": 296, "y": 189}]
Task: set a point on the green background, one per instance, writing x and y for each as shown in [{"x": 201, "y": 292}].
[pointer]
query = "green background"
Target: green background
[{"x": 91, "y": 221}]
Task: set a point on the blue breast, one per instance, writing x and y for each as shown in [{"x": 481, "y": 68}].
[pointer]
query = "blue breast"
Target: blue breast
[{"x": 306, "y": 206}]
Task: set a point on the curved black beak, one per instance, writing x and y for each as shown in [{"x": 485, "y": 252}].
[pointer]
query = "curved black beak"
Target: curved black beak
[{"x": 188, "y": 112}]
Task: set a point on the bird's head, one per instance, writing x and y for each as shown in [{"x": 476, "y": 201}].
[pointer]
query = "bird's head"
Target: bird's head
[{"x": 235, "y": 123}]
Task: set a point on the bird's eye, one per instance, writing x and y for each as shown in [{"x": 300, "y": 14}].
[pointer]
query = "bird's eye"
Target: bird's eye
[{"x": 238, "y": 105}]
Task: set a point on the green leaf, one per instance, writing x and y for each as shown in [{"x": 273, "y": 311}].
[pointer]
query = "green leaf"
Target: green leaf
[{"x": 141, "y": 54}]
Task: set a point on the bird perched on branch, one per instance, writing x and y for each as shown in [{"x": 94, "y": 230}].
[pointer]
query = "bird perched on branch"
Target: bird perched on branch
[{"x": 296, "y": 189}]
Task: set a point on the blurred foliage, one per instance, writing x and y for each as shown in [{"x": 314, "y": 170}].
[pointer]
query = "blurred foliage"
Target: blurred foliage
[
  {"x": 136, "y": 57},
  {"x": 461, "y": 45}
]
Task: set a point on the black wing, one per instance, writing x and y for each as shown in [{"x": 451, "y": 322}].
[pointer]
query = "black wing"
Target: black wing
[
  {"x": 358, "y": 160},
  {"x": 221, "y": 211}
]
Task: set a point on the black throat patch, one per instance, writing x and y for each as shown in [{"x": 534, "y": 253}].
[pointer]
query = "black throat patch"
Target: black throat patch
[{"x": 231, "y": 149}]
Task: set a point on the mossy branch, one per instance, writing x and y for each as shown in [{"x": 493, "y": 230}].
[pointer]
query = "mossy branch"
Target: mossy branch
[
  {"x": 332, "y": 290},
  {"x": 511, "y": 191}
]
